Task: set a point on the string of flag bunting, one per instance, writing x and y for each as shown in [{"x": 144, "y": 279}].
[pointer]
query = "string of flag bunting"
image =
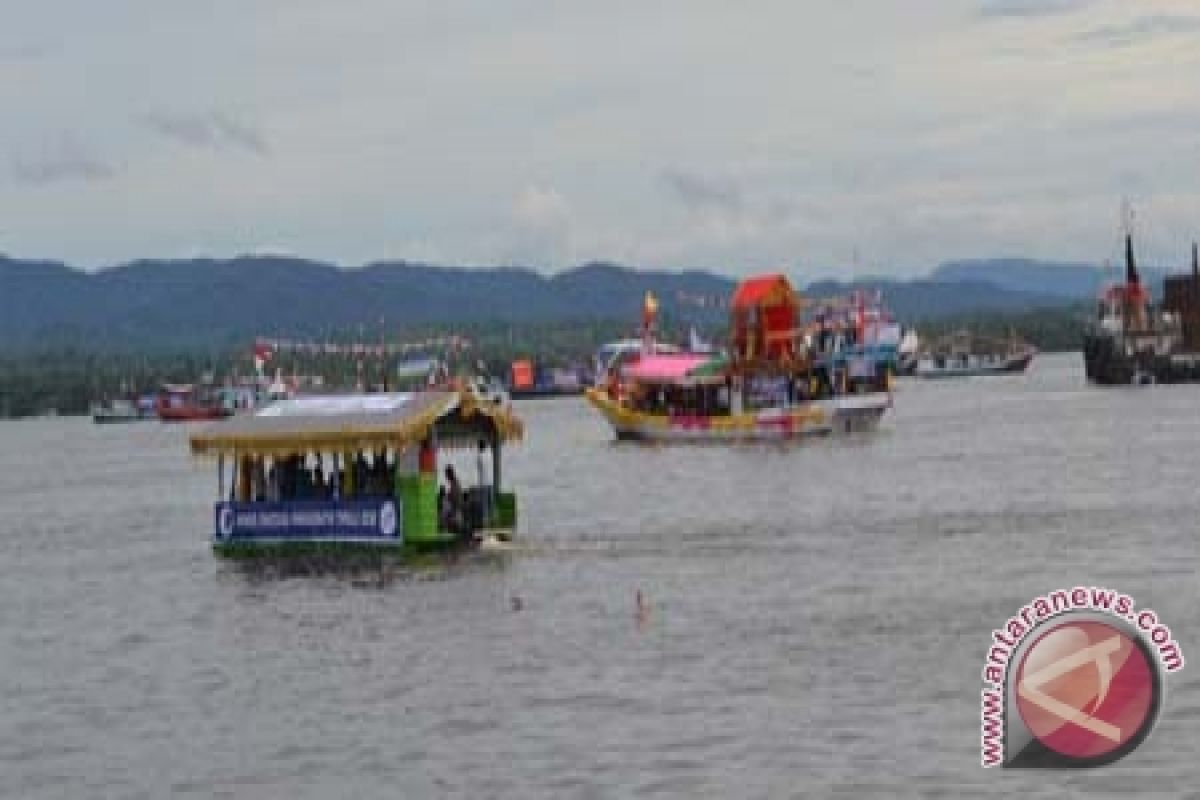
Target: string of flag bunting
[{"x": 265, "y": 347}]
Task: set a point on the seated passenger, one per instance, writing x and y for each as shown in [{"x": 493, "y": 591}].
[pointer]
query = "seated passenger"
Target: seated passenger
[{"x": 455, "y": 518}]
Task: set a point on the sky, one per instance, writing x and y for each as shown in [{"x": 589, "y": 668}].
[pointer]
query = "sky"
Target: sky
[{"x": 856, "y": 137}]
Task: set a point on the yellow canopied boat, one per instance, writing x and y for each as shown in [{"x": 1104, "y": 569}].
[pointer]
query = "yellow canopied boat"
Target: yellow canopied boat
[{"x": 358, "y": 470}]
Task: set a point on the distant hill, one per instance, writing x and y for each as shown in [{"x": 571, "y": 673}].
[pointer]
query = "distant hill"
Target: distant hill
[
  {"x": 155, "y": 304},
  {"x": 932, "y": 299},
  {"x": 1057, "y": 279}
]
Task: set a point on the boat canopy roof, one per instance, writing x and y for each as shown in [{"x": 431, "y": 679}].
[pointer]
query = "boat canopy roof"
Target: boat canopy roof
[
  {"x": 354, "y": 422},
  {"x": 679, "y": 368},
  {"x": 764, "y": 290}
]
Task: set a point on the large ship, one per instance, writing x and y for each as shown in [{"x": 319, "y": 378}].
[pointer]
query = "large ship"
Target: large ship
[
  {"x": 780, "y": 379},
  {"x": 1134, "y": 342}
]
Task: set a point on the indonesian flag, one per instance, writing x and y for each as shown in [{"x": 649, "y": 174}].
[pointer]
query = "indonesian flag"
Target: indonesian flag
[{"x": 649, "y": 310}]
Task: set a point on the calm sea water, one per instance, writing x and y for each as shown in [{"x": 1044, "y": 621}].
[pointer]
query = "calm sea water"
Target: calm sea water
[{"x": 818, "y": 614}]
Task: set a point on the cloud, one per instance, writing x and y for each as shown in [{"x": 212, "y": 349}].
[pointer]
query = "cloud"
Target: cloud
[
  {"x": 999, "y": 9},
  {"x": 23, "y": 52},
  {"x": 543, "y": 227},
  {"x": 1144, "y": 28},
  {"x": 702, "y": 191},
  {"x": 689, "y": 149},
  {"x": 213, "y": 130},
  {"x": 64, "y": 160},
  {"x": 541, "y": 207}
]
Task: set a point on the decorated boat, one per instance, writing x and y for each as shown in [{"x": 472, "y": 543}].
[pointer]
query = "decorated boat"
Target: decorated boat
[
  {"x": 357, "y": 472},
  {"x": 782, "y": 377},
  {"x": 1134, "y": 342}
]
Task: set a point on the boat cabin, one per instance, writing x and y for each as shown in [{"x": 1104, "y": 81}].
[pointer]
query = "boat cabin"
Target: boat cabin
[
  {"x": 764, "y": 319},
  {"x": 358, "y": 471}
]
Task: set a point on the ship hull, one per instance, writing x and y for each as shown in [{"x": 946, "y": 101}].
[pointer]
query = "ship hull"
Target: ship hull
[
  {"x": 843, "y": 414},
  {"x": 191, "y": 413},
  {"x": 1106, "y": 364},
  {"x": 543, "y": 392},
  {"x": 1013, "y": 365}
]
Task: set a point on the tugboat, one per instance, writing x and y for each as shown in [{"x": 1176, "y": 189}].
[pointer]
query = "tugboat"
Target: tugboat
[{"x": 1132, "y": 342}]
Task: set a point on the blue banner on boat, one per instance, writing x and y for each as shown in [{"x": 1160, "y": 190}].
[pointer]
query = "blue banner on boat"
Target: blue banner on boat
[{"x": 366, "y": 520}]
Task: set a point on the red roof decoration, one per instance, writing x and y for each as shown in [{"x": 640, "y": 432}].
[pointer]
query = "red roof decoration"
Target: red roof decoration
[
  {"x": 761, "y": 290},
  {"x": 764, "y": 318}
]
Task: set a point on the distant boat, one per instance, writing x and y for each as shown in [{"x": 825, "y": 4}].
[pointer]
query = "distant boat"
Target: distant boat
[
  {"x": 908, "y": 353},
  {"x": 527, "y": 380},
  {"x": 963, "y": 355},
  {"x": 188, "y": 403},
  {"x": 119, "y": 411}
]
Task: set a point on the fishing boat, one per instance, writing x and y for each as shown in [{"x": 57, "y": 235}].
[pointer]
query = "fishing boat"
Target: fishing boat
[
  {"x": 964, "y": 355},
  {"x": 779, "y": 380},
  {"x": 190, "y": 403},
  {"x": 1133, "y": 342},
  {"x": 336, "y": 473},
  {"x": 528, "y": 380},
  {"x": 908, "y": 353},
  {"x": 122, "y": 410}
]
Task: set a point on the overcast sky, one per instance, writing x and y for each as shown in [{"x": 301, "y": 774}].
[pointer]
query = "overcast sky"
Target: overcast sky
[{"x": 874, "y": 136}]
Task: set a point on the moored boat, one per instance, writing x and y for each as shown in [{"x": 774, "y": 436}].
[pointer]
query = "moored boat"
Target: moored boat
[
  {"x": 332, "y": 473},
  {"x": 963, "y": 355},
  {"x": 122, "y": 410},
  {"x": 908, "y": 353},
  {"x": 190, "y": 403},
  {"x": 780, "y": 380},
  {"x": 528, "y": 380}
]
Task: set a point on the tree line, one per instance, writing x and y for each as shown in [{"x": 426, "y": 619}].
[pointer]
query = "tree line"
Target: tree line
[{"x": 69, "y": 379}]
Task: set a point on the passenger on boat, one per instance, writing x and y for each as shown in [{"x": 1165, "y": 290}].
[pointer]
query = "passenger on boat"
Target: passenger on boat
[
  {"x": 258, "y": 481},
  {"x": 273, "y": 484},
  {"x": 455, "y": 517},
  {"x": 483, "y": 482},
  {"x": 361, "y": 472},
  {"x": 304, "y": 480},
  {"x": 427, "y": 458}
]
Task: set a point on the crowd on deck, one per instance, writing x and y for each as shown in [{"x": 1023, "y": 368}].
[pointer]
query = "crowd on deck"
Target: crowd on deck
[
  {"x": 300, "y": 477},
  {"x": 296, "y": 478}
]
